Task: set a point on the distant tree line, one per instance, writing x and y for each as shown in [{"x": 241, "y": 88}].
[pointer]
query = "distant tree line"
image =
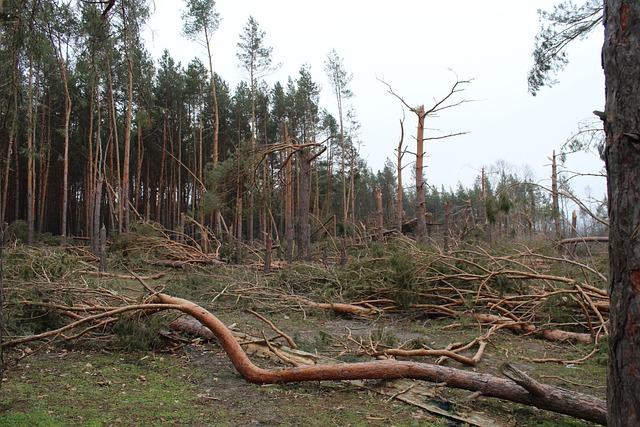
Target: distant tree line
[{"x": 93, "y": 133}]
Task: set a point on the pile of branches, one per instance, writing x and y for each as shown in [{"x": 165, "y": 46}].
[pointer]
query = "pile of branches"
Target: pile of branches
[
  {"x": 550, "y": 296},
  {"x": 162, "y": 247}
]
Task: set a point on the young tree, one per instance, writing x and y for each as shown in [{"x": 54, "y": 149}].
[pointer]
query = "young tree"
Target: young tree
[
  {"x": 621, "y": 69},
  {"x": 61, "y": 39},
  {"x": 340, "y": 79},
  {"x": 255, "y": 60},
  {"x": 201, "y": 19}
]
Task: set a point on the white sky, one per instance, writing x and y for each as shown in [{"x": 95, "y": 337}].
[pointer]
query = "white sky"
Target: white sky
[{"x": 417, "y": 46}]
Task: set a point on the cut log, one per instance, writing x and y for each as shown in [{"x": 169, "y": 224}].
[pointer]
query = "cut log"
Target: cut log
[{"x": 553, "y": 398}]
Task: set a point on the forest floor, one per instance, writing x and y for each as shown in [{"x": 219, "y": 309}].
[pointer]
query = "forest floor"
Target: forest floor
[{"x": 128, "y": 378}]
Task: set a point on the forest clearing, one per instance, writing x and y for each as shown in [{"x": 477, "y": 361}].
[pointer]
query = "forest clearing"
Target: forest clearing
[
  {"x": 469, "y": 309},
  {"x": 175, "y": 250}
]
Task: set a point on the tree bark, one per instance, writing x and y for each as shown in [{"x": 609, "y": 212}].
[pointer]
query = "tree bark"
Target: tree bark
[
  {"x": 399, "y": 207},
  {"x": 304, "y": 233},
  {"x": 622, "y": 153},
  {"x": 288, "y": 213},
  {"x": 379, "y": 215},
  {"x": 421, "y": 229},
  {"x": 554, "y": 196}
]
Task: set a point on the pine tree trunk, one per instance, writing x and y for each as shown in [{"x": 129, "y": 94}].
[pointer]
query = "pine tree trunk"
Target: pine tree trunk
[
  {"x": 65, "y": 161},
  {"x": 379, "y": 214},
  {"x": 30, "y": 156},
  {"x": 216, "y": 126},
  {"x": 554, "y": 196},
  {"x": 621, "y": 68},
  {"x": 399, "y": 207},
  {"x": 288, "y": 216},
  {"x": 124, "y": 202},
  {"x": 304, "y": 233},
  {"x": 421, "y": 225}
]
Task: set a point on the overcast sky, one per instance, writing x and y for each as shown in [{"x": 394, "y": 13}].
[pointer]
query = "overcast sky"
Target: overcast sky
[{"x": 419, "y": 47}]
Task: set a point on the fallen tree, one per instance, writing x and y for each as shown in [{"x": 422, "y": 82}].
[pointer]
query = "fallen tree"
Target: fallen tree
[{"x": 518, "y": 388}]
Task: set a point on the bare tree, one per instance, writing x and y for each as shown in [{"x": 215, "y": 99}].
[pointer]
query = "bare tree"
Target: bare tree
[
  {"x": 438, "y": 106},
  {"x": 401, "y": 150}
]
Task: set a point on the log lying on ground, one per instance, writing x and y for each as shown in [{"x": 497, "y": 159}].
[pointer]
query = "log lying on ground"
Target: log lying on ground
[
  {"x": 586, "y": 239},
  {"x": 527, "y": 328},
  {"x": 545, "y": 397}
]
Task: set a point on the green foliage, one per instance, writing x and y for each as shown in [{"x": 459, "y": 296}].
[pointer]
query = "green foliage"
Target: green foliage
[
  {"x": 138, "y": 333},
  {"x": 565, "y": 23},
  {"x": 403, "y": 267},
  {"x": 200, "y": 17},
  {"x": 50, "y": 264},
  {"x": 559, "y": 308},
  {"x": 32, "y": 319},
  {"x": 255, "y": 57}
]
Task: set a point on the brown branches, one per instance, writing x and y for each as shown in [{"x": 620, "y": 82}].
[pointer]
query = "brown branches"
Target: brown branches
[{"x": 546, "y": 397}]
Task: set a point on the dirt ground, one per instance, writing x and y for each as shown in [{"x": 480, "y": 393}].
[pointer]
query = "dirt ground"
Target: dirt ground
[{"x": 194, "y": 383}]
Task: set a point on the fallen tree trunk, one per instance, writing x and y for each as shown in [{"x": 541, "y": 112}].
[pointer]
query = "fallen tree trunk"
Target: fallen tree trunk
[
  {"x": 588, "y": 239},
  {"x": 542, "y": 396},
  {"x": 527, "y": 328}
]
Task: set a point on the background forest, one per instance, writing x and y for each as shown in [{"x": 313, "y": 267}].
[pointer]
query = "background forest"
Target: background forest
[
  {"x": 140, "y": 196},
  {"x": 94, "y": 133}
]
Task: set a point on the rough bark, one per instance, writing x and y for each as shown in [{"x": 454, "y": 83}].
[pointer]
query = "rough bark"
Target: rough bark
[
  {"x": 622, "y": 152},
  {"x": 554, "y": 196},
  {"x": 288, "y": 213},
  {"x": 304, "y": 232},
  {"x": 421, "y": 229},
  {"x": 542, "y": 396},
  {"x": 399, "y": 207},
  {"x": 379, "y": 215}
]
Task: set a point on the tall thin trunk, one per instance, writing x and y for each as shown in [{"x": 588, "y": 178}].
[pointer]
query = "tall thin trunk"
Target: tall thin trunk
[
  {"x": 30, "y": 156},
  {"x": 126, "y": 160},
  {"x": 288, "y": 221},
  {"x": 345, "y": 203},
  {"x": 114, "y": 145},
  {"x": 161, "y": 181},
  {"x": 379, "y": 214},
  {"x": 216, "y": 126},
  {"x": 445, "y": 228},
  {"x": 65, "y": 162},
  {"x": 252, "y": 176},
  {"x": 554, "y": 196},
  {"x": 45, "y": 162},
  {"x": 421, "y": 228},
  {"x": 138, "y": 177},
  {"x": 400, "y": 207},
  {"x": 13, "y": 144},
  {"x": 304, "y": 238},
  {"x": 90, "y": 178},
  {"x": 483, "y": 210},
  {"x": 99, "y": 179}
]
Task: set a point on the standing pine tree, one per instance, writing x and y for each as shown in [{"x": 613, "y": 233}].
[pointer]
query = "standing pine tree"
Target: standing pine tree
[
  {"x": 255, "y": 60},
  {"x": 622, "y": 123}
]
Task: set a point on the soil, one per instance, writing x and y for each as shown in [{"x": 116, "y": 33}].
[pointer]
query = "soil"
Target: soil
[{"x": 196, "y": 385}]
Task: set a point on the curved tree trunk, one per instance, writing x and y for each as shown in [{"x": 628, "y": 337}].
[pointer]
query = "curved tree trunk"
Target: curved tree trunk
[{"x": 519, "y": 388}]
